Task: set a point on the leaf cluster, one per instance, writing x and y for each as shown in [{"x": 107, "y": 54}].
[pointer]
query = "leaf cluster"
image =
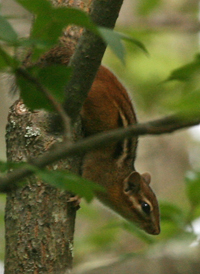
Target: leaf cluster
[
  {"x": 62, "y": 179},
  {"x": 187, "y": 101},
  {"x": 47, "y": 28}
]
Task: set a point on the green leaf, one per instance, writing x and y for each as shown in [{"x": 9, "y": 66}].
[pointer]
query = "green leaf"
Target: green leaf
[
  {"x": 34, "y": 43},
  {"x": 50, "y": 20},
  {"x": 188, "y": 104},
  {"x": 172, "y": 213},
  {"x": 61, "y": 16},
  {"x": 49, "y": 26},
  {"x": 32, "y": 98},
  {"x": 7, "y": 33},
  {"x": 47, "y": 29},
  {"x": 69, "y": 16},
  {"x": 172, "y": 220},
  {"x": 187, "y": 71},
  {"x": 69, "y": 181},
  {"x": 6, "y": 60},
  {"x": 193, "y": 187},
  {"x": 3, "y": 166},
  {"x": 170, "y": 230},
  {"x": 36, "y": 6},
  {"x": 187, "y": 100},
  {"x": 3, "y": 59},
  {"x": 39, "y": 46},
  {"x": 113, "y": 39},
  {"x": 53, "y": 78},
  {"x": 136, "y": 42},
  {"x": 6, "y": 166}
]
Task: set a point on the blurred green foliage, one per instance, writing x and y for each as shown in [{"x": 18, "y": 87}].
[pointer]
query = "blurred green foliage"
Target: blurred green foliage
[
  {"x": 145, "y": 7},
  {"x": 153, "y": 79}
]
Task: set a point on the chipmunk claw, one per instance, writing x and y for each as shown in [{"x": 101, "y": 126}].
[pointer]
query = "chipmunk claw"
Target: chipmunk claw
[{"x": 76, "y": 200}]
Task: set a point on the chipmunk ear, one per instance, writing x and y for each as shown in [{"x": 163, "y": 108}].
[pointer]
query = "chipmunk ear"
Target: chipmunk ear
[
  {"x": 147, "y": 177},
  {"x": 132, "y": 183}
]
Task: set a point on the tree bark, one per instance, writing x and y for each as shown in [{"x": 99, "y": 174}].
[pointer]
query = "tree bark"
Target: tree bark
[{"x": 39, "y": 221}]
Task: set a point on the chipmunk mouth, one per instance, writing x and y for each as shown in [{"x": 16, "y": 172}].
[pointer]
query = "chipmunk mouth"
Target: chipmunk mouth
[
  {"x": 151, "y": 229},
  {"x": 155, "y": 231}
]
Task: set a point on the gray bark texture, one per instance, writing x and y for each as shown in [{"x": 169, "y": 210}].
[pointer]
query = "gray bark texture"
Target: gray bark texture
[{"x": 39, "y": 221}]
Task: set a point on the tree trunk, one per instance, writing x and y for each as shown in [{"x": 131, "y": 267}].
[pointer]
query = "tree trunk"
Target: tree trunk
[{"x": 39, "y": 221}]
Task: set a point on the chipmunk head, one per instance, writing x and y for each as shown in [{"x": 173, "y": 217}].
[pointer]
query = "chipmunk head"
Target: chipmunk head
[{"x": 143, "y": 203}]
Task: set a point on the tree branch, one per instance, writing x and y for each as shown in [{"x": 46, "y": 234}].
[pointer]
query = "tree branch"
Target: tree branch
[
  {"x": 87, "y": 57},
  {"x": 156, "y": 127},
  {"x": 55, "y": 104}
]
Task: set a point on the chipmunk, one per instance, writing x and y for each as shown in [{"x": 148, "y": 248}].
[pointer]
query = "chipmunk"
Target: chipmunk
[
  {"x": 128, "y": 193},
  {"x": 108, "y": 107}
]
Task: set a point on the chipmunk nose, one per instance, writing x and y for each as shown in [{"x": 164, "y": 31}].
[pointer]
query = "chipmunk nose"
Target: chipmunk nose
[
  {"x": 156, "y": 231},
  {"x": 153, "y": 230}
]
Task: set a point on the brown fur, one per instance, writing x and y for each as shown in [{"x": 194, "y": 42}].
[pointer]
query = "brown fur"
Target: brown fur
[{"x": 108, "y": 107}]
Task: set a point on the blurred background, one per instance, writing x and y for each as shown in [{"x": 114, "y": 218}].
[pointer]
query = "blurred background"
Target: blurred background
[{"x": 169, "y": 30}]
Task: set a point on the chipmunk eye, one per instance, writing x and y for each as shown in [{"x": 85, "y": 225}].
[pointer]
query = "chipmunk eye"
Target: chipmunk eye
[{"x": 146, "y": 207}]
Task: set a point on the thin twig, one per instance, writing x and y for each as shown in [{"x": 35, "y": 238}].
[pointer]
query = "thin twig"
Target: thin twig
[
  {"x": 156, "y": 127},
  {"x": 57, "y": 106}
]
